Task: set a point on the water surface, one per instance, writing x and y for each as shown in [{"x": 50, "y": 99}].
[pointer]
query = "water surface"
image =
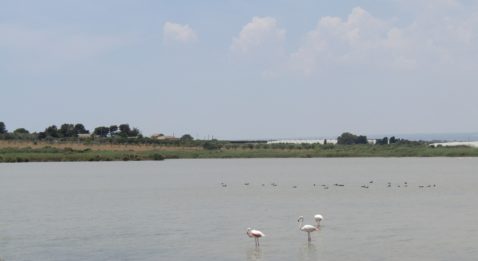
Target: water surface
[{"x": 178, "y": 210}]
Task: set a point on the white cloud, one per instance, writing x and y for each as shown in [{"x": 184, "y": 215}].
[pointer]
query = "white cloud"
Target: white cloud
[
  {"x": 341, "y": 41},
  {"x": 173, "y": 32},
  {"x": 364, "y": 40},
  {"x": 259, "y": 33},
  {"x": 48, "y": 49}
]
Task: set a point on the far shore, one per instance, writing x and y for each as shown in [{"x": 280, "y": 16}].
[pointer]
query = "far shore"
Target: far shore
[{"x": 27, "y": 151}]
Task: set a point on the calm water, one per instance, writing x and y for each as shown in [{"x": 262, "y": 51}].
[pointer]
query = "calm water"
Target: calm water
[{"x": 177, "y": 210}]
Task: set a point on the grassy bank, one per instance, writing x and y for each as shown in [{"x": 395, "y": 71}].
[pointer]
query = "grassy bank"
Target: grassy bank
[{"x": 21, "y": 152}]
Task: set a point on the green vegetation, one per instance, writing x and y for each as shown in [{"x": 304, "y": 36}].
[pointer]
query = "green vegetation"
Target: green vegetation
[
  {"x": 255, "y": 151},
  {"x": 121, "y": 142},
  {"x": 348, "y": 138},
  {"x": 68, "y": 154}
]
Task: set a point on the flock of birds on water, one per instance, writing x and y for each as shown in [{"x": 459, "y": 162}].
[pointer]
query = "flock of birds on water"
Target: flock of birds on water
[
  {"x": 256, "y": 234},
  {"x": 365, "y": 186}
]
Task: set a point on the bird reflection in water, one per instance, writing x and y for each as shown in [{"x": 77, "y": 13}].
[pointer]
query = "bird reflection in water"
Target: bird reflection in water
[
  {"x": 308, "y": 252},
  {"x": 254, "y": 253}
]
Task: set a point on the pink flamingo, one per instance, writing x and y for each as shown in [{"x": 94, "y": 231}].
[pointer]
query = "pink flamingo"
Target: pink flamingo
[
  {"x": 256, "y": 234},
  {"x": 306, "y": 228}
]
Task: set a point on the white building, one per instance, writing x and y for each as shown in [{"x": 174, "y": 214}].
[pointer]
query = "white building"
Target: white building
[
  {"x": 302, "y": 141},
  {"x": 456, "y": 143}
]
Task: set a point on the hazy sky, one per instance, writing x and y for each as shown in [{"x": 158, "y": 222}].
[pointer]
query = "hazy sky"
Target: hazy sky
[{"x": 241, "y": 68}]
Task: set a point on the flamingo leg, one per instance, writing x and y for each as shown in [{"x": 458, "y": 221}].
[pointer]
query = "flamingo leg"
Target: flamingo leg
[{"x": 308, "y": 236}]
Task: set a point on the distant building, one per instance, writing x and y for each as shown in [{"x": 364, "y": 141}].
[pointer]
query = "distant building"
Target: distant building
[
  {"x": 84, "y": 135},
  {"x": 456, "y": 143},
  {"x": 162, "y": 137},
  {"x": 323, "y": 141},
  {"x": 319, "y": 141}
]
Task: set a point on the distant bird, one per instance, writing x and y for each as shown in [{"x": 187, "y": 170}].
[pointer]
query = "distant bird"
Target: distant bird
[
  {"x": 364, "y": 186},
  {"x": 306, "y": 228},
  {"x": 318, "y": 218},
  {"x": 294, "y": 186},
  {"x": 370, "y": 182},
  {"x": 256, "y": 234},
  {"x": 247, "y": 184}
]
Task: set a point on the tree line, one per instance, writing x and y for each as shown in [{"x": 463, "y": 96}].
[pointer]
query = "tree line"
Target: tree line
[
  {"x": 123, "y": 133},
  {"x": 69, "y": 130},
  {"x": 348, "y": 138}
]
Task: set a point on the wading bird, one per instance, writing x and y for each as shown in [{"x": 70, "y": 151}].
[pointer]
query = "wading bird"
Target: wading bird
[
  {"x": 306, "y": 228},
  {"x": 256, "y": 234},
  {"x": 318, "y": 218}
]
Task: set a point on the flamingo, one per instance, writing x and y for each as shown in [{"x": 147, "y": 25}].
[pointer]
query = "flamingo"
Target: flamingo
[
  {"x": 318, "y": 218},
  {"x": 256, "y": 234},
  {"x": 306, "y": 228}
]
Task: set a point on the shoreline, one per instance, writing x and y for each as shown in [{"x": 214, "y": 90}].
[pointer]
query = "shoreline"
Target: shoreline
[{"x": 73, "y": 152}]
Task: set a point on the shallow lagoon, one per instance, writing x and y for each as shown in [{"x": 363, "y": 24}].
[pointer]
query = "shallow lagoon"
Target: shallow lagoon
[{"x": 178, "y": 210}]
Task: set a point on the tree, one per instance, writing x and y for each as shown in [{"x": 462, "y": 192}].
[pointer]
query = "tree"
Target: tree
[
  {"x": 21, "y": 131},
  {"x": 346, "y": 138},
  {"x": 186, "y": 138},
  {"x": 124, "y": 130},
  {"x": 52, "y": 131},
  {"x": 361, "y": 140},
  {"x": 383, "y": 141},
  {"x": 67, "y": 130},
  {"x": 101, "y": 131},
  {"x": 42, "y": 135},
  {"x": 212, "y": 145},
  {"x": 134, "y": 132},
  {"x": 393, "y": 140},
  {"x": 3, "y": 129},
  {"x": 113, "y": 129},
  {"x": 80, "y": 129}
]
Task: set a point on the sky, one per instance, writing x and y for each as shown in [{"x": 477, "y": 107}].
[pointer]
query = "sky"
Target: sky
[{"x": 241, "y": 69}]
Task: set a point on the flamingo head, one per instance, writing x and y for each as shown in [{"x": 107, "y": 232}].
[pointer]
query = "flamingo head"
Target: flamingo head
[
  {"x": 249, "y": 232},
  {"x": 301, "y": 218},
  {"x": 318, "y": 218}
]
